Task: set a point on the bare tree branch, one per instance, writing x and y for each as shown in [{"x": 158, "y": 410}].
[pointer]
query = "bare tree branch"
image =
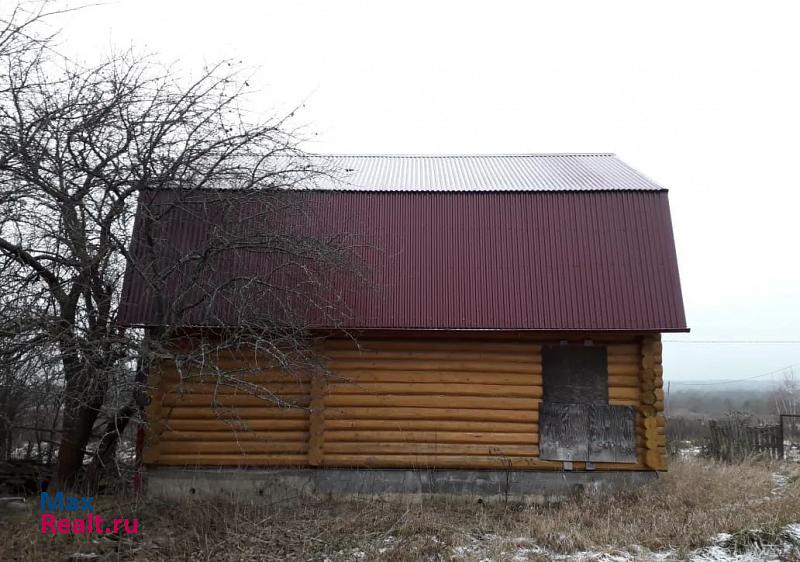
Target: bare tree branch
[{"x": 80, "y": 148}]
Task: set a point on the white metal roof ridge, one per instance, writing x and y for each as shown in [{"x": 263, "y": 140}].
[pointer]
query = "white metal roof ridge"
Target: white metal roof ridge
[{"x": 489, "y": 172}]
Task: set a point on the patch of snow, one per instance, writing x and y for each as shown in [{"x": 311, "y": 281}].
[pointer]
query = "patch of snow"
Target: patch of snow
[
  {"x": 691, "y": 452},
  {"x": 721, "y": 538},
  {"x": 481, "y": 547},
  {"x": 719, "y": 554},
  {"x": 523, "y": 554},
  {"x": 794, "y": 531}
]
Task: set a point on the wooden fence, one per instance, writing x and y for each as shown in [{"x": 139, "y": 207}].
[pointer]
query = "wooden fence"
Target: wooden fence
[
  {"x": 790, "y": 435},
  {"x": 736, "y": 438}
]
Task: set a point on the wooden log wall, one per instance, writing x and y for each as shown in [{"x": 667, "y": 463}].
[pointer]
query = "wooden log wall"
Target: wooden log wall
[
  {"x": 392, "y": 403},
  {"x": 652, "y": 404},
  {"x": 195, "y": 420},
  {"x": 433, "y": 403}
]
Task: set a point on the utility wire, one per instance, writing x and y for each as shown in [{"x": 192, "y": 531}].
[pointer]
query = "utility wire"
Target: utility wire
[
  {"x": 731, "y": 381},
  {"x": 735, "y": 341}
]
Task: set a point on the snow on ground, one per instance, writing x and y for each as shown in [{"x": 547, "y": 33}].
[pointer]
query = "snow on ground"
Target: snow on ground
[{"x": 494, "y": 548}]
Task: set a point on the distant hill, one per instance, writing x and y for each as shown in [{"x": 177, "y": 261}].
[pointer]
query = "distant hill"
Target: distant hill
[{"x": 703, "y": 402}]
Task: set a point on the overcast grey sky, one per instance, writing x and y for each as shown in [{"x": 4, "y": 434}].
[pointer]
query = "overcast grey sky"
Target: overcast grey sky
[{"x": 702, "y": 96}]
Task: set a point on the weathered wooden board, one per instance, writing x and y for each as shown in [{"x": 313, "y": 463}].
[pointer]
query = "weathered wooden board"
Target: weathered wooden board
[
  {"x": 564, "y": 432},
  {"x": 575, "y": 374},
  {"x": 587, "y": 432},
  {"x": 612, "y": 433}
]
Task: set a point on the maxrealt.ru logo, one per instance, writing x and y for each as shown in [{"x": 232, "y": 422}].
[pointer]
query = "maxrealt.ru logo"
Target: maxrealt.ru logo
[{"x": 88, "y": 524}]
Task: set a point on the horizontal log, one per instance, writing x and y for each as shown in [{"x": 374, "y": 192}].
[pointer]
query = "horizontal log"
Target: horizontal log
[
  {"x": 429, "y": 425},
  {"x": 254, "y": 376},
  {"x": 627, "y": 381},
  {"x": 533, "y": 375},
  {"x": 464, "y": 414},
  {"x": 530, "y": 438},
  {"x": 525, "y": 391},
  {"x": 435, "y": 366},
  {"x": 439, "y": 461},
  {"x": 205, "y": 436},
  {"x": 432, "y": 345},
  {"x": 431, "y": 449},
  {"x": 210, "y": 388},
  {"x": 624, "y": 370},
  {"x": 232, "y": 460},
  {"x": 240, "y": 351},
  {"x": 623, "y": 402},
  {"x": 237, "y": 425},
  {"x": 423, "y": 401},
  {"x": 624, "y": 393},
  {"x": 225, "y": 447},
  {"x": 263, "y": 380},
  {"x": 623, "y": 349},
  {"x": 262, "y": 363},
  {"x": 633, "y": 360},
  {"x": 659, "y": 392},
  {"x": 420, "y": 355},
  {"x": 359, "y": 376},
  {"x": 239, "y": 413},
  {"x": 234, "y": 400},
  {"x": 451, "y": 361}
]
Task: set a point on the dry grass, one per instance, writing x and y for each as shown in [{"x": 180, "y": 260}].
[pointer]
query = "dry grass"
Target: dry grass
[{"x": 693, "y": 502}]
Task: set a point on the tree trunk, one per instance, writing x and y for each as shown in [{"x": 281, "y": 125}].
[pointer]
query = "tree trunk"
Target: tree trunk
[
  {"x": 106, "y": 450},
  {"x": 75, "y": 438},
  {"x": 104, "y": 457},
  {"x": 82, "y": 403}
]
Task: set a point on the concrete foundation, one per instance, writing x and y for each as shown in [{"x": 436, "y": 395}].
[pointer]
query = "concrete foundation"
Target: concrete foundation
[{"x": 406, "y": 485}]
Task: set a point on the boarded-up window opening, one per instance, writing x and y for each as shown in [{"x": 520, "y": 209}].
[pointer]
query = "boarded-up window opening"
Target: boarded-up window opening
[
  {"x": 563, "y": 432},
  {"x": 587, "y": 432},
  {"x": 576, "y": 423},
  {"x": 575, "y": 374}
]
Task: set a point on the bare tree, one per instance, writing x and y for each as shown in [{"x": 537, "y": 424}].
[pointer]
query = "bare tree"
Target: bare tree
[
  {"x": 20, "y": 32},
  {"x": 787, "y": 393},
  {"x": 79, "y": 147}
]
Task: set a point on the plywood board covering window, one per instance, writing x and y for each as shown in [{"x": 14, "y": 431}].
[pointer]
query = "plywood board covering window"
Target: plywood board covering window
[{"x": 577, "y": 423}]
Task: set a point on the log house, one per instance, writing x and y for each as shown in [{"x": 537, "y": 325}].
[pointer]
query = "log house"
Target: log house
[{"x": 514, "y": 323}]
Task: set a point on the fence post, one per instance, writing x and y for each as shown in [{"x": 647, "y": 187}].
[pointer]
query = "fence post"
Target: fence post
[{"x": 781, "y": 452}]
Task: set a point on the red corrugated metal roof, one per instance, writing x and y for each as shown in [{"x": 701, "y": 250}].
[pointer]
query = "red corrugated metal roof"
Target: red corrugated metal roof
[{"x": 555, "y": 260}]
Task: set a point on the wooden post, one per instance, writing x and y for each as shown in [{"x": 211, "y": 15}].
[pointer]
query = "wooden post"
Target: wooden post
[{"x": 316, "y": 434}]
